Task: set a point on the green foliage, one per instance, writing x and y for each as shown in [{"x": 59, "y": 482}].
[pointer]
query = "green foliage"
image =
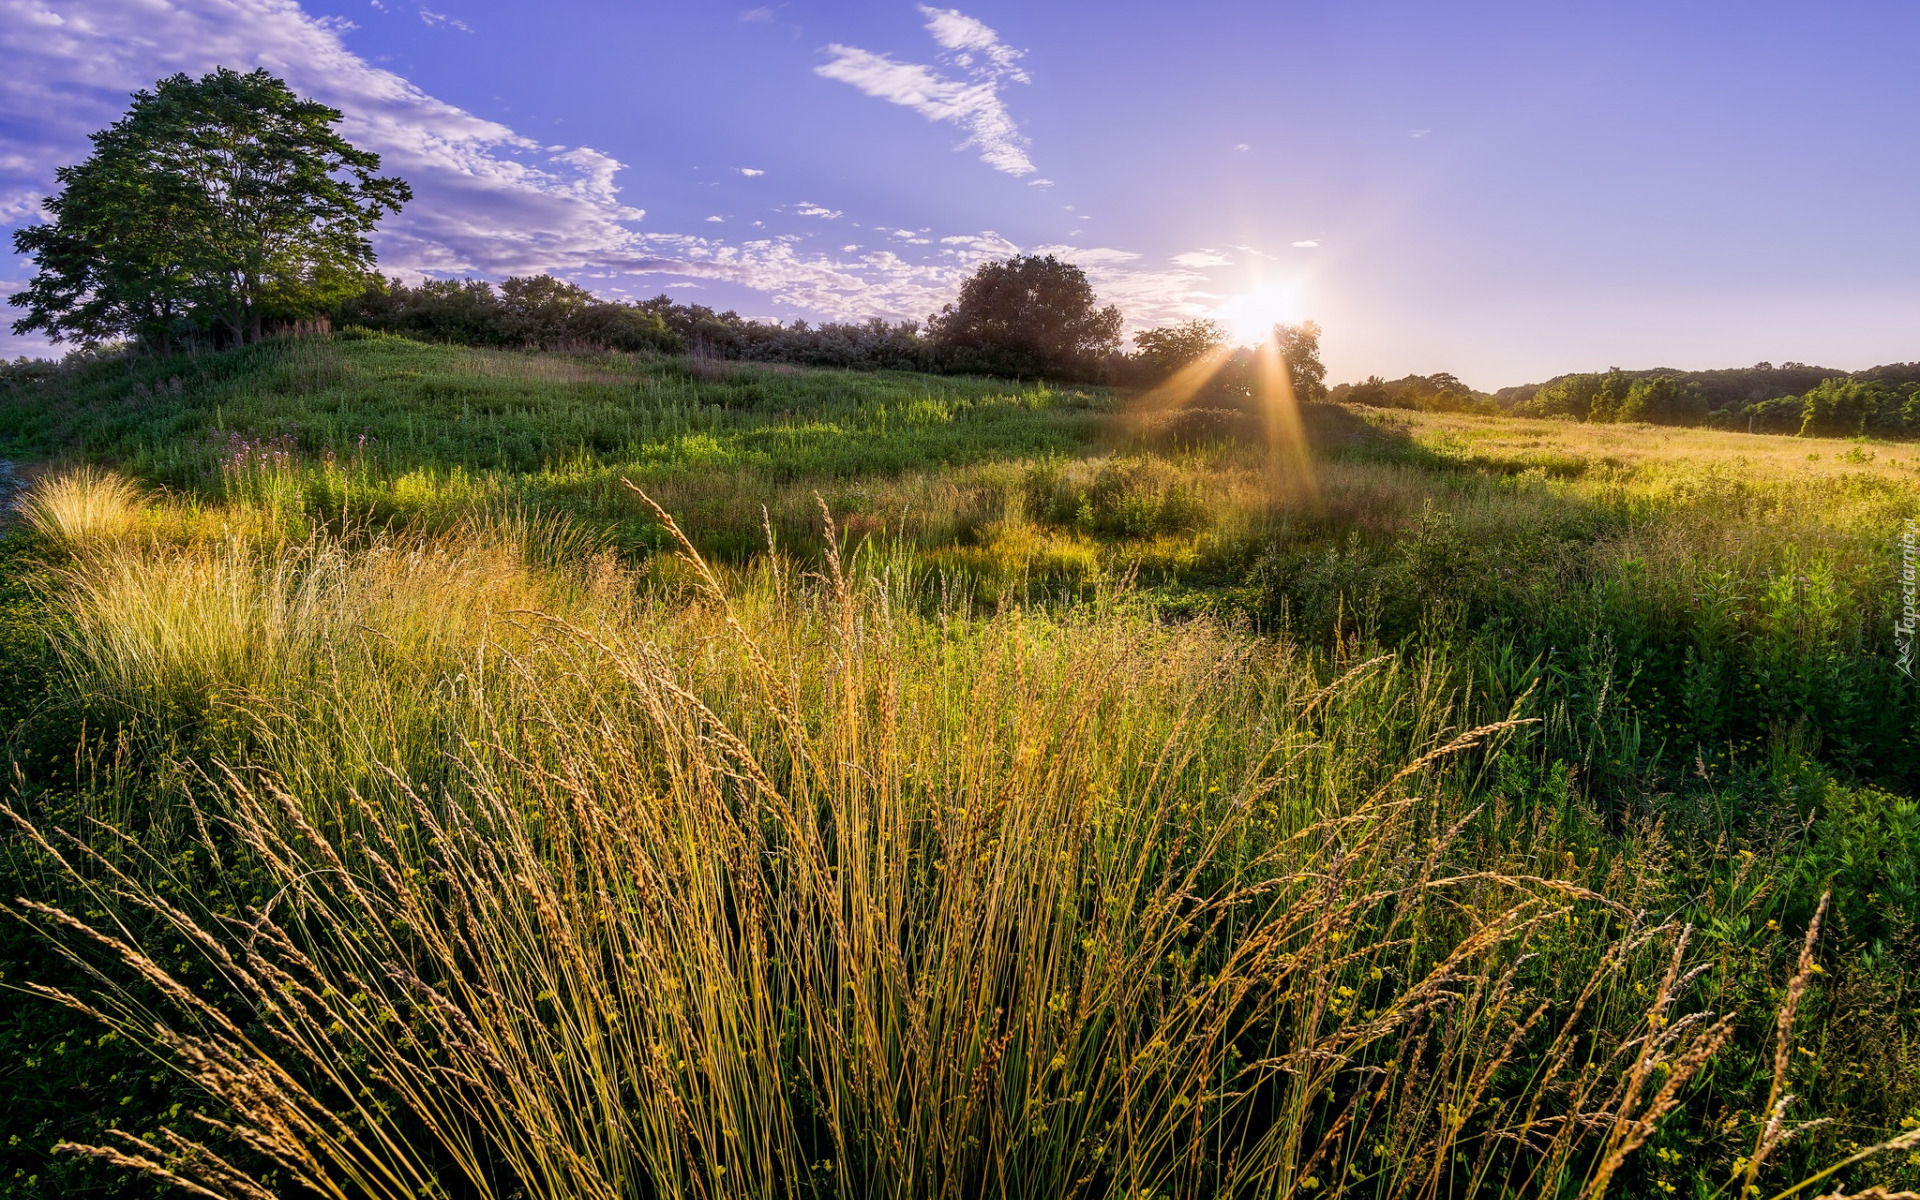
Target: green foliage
[
  {"x": 1881, "y": 402},
  {"x": 1026, "y": 316},
  {"x": 1160, "y": 353},
  {"x": 1662, "y": 400},
  {"x": 1300, "y": 347},
  {"x": 217, "y": 204},
  {"x": 1844, "y": 407},
  {"x": 1439, "y": 392},
  {"x": 535, "y": 311}
]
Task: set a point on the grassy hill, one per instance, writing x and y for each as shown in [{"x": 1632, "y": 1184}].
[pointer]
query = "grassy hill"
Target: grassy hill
[{"x": 1100, "y": 805}]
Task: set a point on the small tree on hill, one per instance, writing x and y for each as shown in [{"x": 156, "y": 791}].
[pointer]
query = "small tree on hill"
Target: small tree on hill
[
  {"x": 1300, "y": 345},
  {"x": 219, "y": 203},
  {"x": 1026, "y": 316},
  {"x": 1159, "y": 353}
]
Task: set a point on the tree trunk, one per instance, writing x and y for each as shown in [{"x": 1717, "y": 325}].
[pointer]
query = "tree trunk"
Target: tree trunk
[{"x": 253, "y": 327}]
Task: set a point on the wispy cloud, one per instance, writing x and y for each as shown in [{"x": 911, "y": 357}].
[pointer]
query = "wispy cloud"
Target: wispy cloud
[
  {"x": 1307, "y": 244},
  {"x": 1146, "y": 297},
  {"x": 750, "y": 172},
  {"x": 434, "y": 18},
  {"x": 973, "y": 103},
  {"x": 808, "y": 208},
  {"x": 981, "y": 245},
  {"x": 1202, "y": 258},
  {"x": 969, "y": 41}
]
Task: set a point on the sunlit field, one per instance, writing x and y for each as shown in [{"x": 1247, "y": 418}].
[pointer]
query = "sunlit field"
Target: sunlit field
[{"x": 470, "y": 773}]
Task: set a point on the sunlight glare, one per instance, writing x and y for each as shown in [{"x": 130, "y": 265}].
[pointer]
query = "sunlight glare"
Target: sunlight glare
[{"x": 1250, "y": 317}]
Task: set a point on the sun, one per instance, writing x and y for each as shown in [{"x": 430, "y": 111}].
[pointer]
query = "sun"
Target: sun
[{"x": 1250, "y": 317}]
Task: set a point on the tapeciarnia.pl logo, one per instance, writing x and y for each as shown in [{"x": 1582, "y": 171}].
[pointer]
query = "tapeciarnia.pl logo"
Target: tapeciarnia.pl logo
[{"x": 1903, "y": 626}]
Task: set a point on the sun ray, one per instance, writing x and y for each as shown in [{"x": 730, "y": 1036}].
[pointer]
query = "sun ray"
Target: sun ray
[
  {"x": 1179, "y": 389},
  {"x": 1287, "y": 451}
]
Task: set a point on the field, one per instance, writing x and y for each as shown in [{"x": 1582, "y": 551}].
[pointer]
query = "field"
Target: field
[{"x": 471, "y": 773}]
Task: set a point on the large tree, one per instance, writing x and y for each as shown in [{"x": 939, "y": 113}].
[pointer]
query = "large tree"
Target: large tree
[
  {"x": 1026, "y": 316},
  {"x": 219, "y": 204}
]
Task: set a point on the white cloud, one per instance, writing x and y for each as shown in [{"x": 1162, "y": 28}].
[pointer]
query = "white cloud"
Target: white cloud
[
  {"x": 434, "y": 18},
  {"x": 1146, "y": 298},
  {"x": 808, "y": 208},
  {"x": 849, "y": 249},
  {"x": 980, "y": 245},
  {"x": 749, "y": 172},
  {"x": 1089, "y": 256},
  {"x": 1242, "y": 147},
  {"x": 753, "y": 16},
  {"x": 1308, "y": 244},
  {"x": 973, "y": 104},
  {"x": 1040, "y": 183},
  {"x": 1418, "y": 133},
  {"x": 1202, "y": 258},
  {"x": 716, "y": 220},
  {"x": 968, "y": 40}
]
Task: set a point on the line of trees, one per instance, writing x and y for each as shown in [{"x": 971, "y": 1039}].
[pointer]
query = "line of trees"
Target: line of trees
[
  {"x": 1792, "y": 398},
  {"x": 1025, "y": 316},
  {"x": 1439, "y": 392}
]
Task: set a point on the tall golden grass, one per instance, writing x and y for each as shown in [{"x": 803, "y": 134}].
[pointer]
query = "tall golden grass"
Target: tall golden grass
[{"x": 782, "y": 886}]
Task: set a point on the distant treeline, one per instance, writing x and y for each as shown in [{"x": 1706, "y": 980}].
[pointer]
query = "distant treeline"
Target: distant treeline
[
  {"x": 1440, "y": 392},
  {"x": 1791, "y": 398},
  {"x": 1027, "y": 316},
  {"x": 550, "y": 313}
]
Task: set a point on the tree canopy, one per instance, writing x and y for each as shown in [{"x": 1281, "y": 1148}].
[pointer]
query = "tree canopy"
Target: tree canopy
[
  {"x": 215, "y": 205},
  {"x": 1159, "y": 353},
  {"x": 1026, "y": 316},
  {"x": 1300, "y": 346}
]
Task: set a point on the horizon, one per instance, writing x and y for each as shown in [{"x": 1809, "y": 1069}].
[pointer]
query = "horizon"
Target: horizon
[{"x": 1501, "y": 194}]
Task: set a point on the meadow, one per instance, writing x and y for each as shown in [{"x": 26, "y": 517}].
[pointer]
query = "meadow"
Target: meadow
[{"x": 442, "y": 771}]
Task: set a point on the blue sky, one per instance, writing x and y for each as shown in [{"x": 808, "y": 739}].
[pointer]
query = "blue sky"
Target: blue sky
[{"x": 1501, "y": 190}]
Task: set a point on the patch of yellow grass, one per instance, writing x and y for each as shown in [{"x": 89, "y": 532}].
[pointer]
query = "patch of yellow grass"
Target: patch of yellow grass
[{"x": 83, "y": 508}]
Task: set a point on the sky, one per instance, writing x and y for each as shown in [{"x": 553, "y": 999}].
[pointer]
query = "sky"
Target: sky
[{"x": 1506, "y": 191}]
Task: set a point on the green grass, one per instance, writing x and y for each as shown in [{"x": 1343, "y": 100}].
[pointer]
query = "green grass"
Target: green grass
[{"x": 1091, "y": 815}]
